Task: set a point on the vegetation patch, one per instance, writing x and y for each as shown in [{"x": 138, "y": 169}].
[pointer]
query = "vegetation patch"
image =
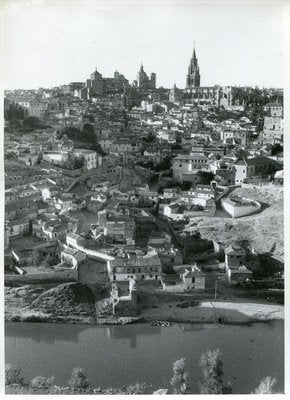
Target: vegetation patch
[{"x": 186, "y": 304}]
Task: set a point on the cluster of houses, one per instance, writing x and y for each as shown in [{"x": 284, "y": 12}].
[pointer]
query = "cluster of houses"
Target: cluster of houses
[{"x": 53, "y": 184}]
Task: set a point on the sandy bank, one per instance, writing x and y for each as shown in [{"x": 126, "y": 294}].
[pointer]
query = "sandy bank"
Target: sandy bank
[{"x": 225, "y": 312}]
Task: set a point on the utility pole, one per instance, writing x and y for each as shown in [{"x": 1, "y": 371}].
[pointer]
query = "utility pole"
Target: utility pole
[{"x": 215, "y": 290}]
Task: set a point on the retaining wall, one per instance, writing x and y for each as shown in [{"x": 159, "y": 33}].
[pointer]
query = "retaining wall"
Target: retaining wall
[
  {"x": 61, "y": 276},
  {"x": 237, "y": 211}
]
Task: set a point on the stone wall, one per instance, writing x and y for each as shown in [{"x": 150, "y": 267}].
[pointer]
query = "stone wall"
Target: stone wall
[{"x": 59, "y": 277}]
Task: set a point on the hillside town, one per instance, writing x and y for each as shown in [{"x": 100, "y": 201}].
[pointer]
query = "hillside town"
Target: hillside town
[{"x": 139, "y": 191}]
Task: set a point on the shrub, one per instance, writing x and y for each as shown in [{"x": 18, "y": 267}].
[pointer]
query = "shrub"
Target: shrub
[
  {"x": 78, "y": 380},
  {"x": 12, "y": 375},
  {"x": 187, "y": 304},
  {"x": 40, "y": 382},
  {"x": 138, "y": 388}
]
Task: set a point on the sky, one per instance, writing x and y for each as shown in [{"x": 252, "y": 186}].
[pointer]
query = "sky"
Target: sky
[{"x": 49, "y": 43}]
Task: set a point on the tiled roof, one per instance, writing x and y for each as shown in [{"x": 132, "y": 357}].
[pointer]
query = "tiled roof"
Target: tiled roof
[{"x": 136, "y": 261}]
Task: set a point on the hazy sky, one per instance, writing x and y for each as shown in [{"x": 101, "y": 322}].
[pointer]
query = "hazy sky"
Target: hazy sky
[{"x": 48, "y": 43}]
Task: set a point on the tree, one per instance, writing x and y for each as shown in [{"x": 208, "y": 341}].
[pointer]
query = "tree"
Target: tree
[
  {"x": 97, "y": 147},
  {"x": 32, "y": 122},
  {"x": 212, "y": 371},
  {"x": 73, "y": 163},
  {"x": 166, "y": 163},
  {"x": 36, "y": 257},
  {"x": 14, "y": 112},
  {"x": 78, "y": 380},
  {"x": 276, "y": 149},
  {"x": 12, "y": 375},
  {"x": 48, "y": 261},
  {"x": 179, "y": 381},
  {"x": 205, "y": 177},
  {"x": 186, "y": 185},
  {"x": 150, "y": 138},
  {"x": 265, "y": 386},
  {"x": 154, "y": 178},
  {"x": 88, "y": 132},
  {"x": 71, "y": 132}
]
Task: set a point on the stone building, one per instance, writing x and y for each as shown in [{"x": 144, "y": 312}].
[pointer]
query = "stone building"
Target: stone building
[{"x": 144, "y": 82}]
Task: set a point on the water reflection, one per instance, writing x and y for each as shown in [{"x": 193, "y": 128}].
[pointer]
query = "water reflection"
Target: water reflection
[
  {"x": 131, "y": 332},
  {"x": 37, "y": 331}
]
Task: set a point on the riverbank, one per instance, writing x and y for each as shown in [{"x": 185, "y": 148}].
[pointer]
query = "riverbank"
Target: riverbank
[
  {"x": 29, "y": 304},
  {"x": 226, "y": 312}
]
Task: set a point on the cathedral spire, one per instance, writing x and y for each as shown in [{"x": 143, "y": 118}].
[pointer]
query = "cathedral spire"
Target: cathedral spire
[{"x": 193, "y": 76}]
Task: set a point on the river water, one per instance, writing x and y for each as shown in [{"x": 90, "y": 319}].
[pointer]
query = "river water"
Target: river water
[{"x": 121, "y": 355}]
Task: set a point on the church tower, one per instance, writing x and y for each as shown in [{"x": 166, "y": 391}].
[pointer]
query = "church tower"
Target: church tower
[{"x": 193, "y": 76}]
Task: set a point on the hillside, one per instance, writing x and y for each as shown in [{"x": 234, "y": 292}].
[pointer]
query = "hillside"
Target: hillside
[{"x": 263, "y": 231}]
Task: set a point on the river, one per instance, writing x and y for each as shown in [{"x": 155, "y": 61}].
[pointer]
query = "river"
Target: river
[{"x": 120, "y": 355}]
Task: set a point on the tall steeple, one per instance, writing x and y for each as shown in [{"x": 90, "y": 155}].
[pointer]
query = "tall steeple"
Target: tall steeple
[{"x": 193, "y": 76}]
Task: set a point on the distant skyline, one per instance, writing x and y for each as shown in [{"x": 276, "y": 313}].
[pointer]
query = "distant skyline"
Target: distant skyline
[{"x": 52, "y": 43}]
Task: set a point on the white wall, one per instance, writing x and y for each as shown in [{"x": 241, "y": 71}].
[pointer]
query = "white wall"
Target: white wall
[{"x": 239, "y": 211}]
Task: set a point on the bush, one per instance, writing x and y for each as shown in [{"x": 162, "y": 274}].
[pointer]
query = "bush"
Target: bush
[
  {"x": 78, "y": 380},
  {"x": 32, "y": 122},
  {"x": 12, "y": 375},
  {"x": 40, "y": 382},
  {"x": 138, "y": 388},
  {"x": 187, "y": 304}
]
